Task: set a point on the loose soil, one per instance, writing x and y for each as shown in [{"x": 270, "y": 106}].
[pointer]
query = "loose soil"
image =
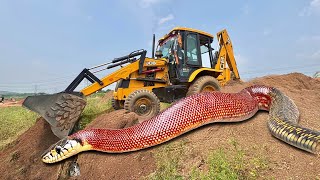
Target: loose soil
[
  {"x": 8, "y": 103},
  {"x": 107, "y": 96},
  {"x": 21, "y": 160}
]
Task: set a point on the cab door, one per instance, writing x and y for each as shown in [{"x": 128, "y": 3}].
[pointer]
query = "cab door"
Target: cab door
[
  {"x": 189, "y": 56},
  {"x": 193, "y": 55}
]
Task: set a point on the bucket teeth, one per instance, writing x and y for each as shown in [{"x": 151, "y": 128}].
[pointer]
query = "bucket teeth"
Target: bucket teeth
[{"x": 60, "y": 110}]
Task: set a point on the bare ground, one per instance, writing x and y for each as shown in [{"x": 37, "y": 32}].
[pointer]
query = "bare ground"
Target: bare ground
[
  {"x": 21, "y": 160},
  {"x": 9, "y": 103}
]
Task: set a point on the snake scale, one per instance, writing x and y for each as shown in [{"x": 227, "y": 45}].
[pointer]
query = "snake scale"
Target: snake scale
[{"x": 190, "y": 113}]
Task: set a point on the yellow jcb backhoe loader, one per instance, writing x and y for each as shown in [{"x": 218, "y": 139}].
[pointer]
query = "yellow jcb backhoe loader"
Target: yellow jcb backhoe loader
[{"x": 176, "y": 71}]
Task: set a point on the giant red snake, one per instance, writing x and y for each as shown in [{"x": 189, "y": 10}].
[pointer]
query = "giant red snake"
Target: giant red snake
[{"x": 190, "y": 113}]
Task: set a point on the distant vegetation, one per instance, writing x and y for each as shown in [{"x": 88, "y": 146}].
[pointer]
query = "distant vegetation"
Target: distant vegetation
[
  {"x": 8, "y": 94},
  {"x": 104, "y": 91}
]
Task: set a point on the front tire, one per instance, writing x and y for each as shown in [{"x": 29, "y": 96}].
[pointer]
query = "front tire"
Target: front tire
[
  {"x": 143, "y": 103},
  {"x": 204, "y": 84},
  {"x": 117, "y": 104}
]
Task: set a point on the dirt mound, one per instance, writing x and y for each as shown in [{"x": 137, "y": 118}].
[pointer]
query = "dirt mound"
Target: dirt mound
[
  {"x": 107, "y": 96},
  {"x": 292, "y": 82},
  {"x": 22, "y": 159}
]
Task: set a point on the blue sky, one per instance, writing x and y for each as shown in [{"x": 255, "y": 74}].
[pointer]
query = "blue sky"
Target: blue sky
[{"x": 45, "y": 44}]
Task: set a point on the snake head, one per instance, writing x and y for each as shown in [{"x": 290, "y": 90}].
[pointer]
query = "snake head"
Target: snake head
[
  {"x": 63, "y": 149},
  {"x": 262, "y": 96}
]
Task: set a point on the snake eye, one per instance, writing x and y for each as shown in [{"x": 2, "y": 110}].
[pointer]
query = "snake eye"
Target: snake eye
[{"x": 58, "y": 149}]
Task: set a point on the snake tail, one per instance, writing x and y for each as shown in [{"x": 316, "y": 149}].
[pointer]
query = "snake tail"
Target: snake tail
[{"x": 283, "y": 124}]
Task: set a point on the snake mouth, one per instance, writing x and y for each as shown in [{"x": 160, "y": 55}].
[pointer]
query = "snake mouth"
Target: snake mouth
[{"x": 63, "y": 149}]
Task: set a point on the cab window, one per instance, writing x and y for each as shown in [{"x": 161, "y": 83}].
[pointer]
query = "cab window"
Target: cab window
[
  {"x": 205, "y": 50},
  {"x": 192, "y": 50},
  {"x": 166, "y": 46}
]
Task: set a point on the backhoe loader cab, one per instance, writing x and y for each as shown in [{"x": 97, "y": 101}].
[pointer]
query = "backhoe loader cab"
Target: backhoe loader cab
[
  {"x": 186, "y": 49},
  {"x": 143, "y": 82}
]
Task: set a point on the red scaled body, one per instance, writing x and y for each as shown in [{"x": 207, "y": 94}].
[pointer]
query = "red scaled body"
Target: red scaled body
[
  {"x": 193, "y": 112},
  {"x": 187, "y": 114}
]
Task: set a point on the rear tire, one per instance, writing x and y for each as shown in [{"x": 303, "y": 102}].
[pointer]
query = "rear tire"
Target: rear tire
[
  {"x": 143, "y": 103},
  {"x": 203, "y": 84}
]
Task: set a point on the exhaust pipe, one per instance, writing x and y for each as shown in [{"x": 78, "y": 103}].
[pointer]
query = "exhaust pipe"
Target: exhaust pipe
[{"x": 153, "y": 44}]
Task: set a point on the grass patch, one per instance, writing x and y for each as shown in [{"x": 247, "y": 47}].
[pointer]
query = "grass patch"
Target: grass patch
[
  {"x": 230, "y": 162},
  {"x": 168, "y": 159},
  {"x": 14, "y": 121},
  {"x": 220, "y": 168},
  {"x": 95, "y": 106}
]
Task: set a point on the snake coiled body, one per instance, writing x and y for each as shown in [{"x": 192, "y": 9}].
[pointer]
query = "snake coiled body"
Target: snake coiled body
[
  {"x": 190, "y": 113},
  {"x": 283, "y": 124}
]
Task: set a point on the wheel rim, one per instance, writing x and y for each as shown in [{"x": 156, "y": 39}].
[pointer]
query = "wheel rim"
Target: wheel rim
[
  {"x": 208, "y": 88},
  {"x": 143, "y": 107}
]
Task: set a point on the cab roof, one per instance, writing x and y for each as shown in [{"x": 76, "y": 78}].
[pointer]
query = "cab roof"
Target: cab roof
[{"x": 185, "y": 29}]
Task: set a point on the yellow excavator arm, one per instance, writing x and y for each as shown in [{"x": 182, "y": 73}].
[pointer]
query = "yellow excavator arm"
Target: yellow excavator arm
[
  {"x": 226, "y": 52},
  {"x": 62, "y": 110},
  {"x": 122, "y": 73}
]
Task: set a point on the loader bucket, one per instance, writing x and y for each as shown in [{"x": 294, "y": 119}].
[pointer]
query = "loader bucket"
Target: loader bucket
[{"x": 60, "y": 110}]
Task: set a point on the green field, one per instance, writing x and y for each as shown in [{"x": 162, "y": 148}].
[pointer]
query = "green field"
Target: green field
[
  {"x": 16, "y": 120},
  {"x": 96, "y": 105}
]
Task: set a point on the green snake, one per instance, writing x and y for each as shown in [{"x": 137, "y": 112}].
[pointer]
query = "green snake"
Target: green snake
[{"x": 190, "y": 113}]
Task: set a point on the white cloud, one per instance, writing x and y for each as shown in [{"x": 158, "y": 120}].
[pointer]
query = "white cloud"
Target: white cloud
[
  {"x": 246, "y": 9},
  {"x": 267, "y": 32},
  {"x": 165, "y": 19},
  {"x": 316, "y": 38},
  {"x": 148, "y": 3},
  {"x": 312, "y": 8},
  {"x": 316, "y": 55},
  {"x": 305, "y": 12},
  {"x": 89, "y": 18},
  {"x": 315, "y": 3},
  {"x": 308, "y": 39}
]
